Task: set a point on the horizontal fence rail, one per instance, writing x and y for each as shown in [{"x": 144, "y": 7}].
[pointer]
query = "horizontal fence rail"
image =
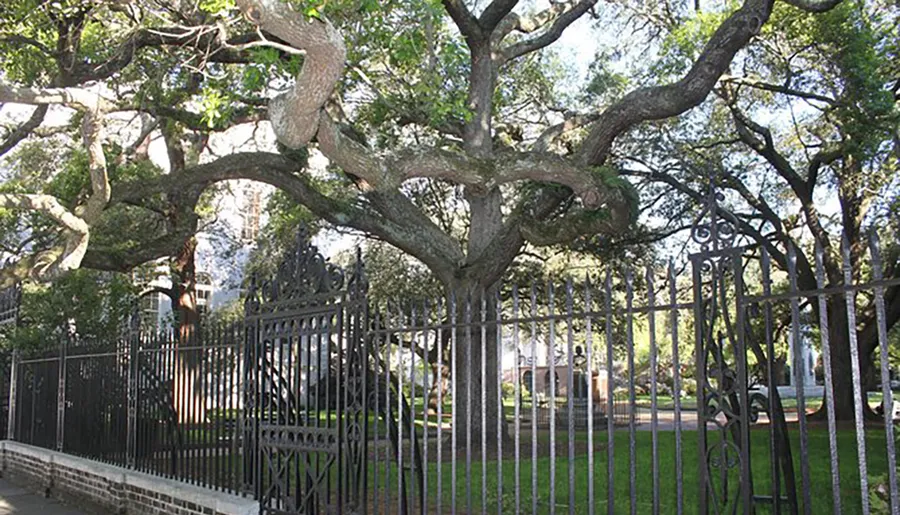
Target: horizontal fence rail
[{"x": 639, "y": 392}]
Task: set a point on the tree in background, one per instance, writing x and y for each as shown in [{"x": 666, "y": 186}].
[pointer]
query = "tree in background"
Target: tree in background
[
  {"x": 98, "y": 306},
  {"x": 802, "y": 134}
]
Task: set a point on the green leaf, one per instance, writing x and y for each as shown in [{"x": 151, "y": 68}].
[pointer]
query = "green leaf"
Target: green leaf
[{"x": 216, "y": 6}]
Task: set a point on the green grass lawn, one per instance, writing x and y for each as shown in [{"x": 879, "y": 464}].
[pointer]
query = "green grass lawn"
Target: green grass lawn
[
  {"x": 487, "y": 494},
  {"x": 663, "y": 402},
  {"x": 820, "y": 475},
  {"x": 476, "y": 493},
  {"x": 666, "y": 402}
]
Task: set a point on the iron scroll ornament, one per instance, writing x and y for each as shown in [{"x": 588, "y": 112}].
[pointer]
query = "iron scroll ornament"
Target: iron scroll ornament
[
  {"x": 720, "y": 361},
  {"x": 302, "y": 273},
  {"x": 714, "y": 229}
]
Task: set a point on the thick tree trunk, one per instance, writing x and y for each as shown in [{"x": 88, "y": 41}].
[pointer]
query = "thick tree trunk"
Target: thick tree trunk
[
  {"x": 189, "y": 405},
  {"x": 841, "y": 365},
  {"x": 184, "y": 278},
  {"x": 475, "y": 387},
  {"x": 476, "y": 379}
]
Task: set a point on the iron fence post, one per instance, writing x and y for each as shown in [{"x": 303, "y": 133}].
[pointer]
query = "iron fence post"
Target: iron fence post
[
  {"x": 247, "y": 392},
  {"x": 131, "y": 424},
  {"x": 743, "y": 382},
  {"x": 61, "y": 393},
  {"x": 11, "y": 298},
  {"x": 13, "y": 380},
  {"x": 700, "y": 364}
]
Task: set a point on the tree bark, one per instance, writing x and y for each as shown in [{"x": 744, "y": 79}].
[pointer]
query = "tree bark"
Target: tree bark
[
  {"x": 841, "y": 366},
  {"x": 189, "y": 404}
]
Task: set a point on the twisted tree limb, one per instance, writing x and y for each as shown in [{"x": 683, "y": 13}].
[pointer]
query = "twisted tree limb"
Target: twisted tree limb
[
  {"x": 295, "y": 114},
  {"x": 22, "y": 131},
  {"x": 659, "y": 102},
  {"x": 69, "y": 251}
]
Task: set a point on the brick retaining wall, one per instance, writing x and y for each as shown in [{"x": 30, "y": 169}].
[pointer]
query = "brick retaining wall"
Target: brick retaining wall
[{"x": 110, "y": 489}]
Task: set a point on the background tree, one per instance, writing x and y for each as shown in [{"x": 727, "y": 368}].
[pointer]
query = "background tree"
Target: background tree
[
  {"x": 98, "y": 306},
  {"x": 803, "y": 137}
]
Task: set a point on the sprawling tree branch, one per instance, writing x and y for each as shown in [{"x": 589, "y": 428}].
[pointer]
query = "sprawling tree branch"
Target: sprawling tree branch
[
  {"x": 68, "y": 254},
  {"x": 480, "y": 174},
  {"x": 756, "y": 201},
  {"x": 572, "y": 122},
  {"x": 395, "y": 219},
  {"x": 495, "y": 12},
  {"x": 195, "y": 121},
  {"x": 466, "y": 22},
  {"x": 47, "y": 204},
  {"x": 18, "y": 39},
  {"x": 123, "y": 260},
  {"x": 76, "y": 98},
  {"x": 766, "y": 149},
  {"x": 24, "y": 130},
  {"x": 210, "y": 40},
  {"x": 802, "y": 189},
  {"x": 825, "y": 157},
  {"x": 660, "y": 102},
  {"x": 701, "y": 198},
  {"x": 92, "y": 133},
  {"x": 777, "y": 88},
  {"x": 814, "y": 6},
  {"x": 295, "y": 114},
  {"x": 576, "y": 223},
  {"x": 554, "y": 21}
]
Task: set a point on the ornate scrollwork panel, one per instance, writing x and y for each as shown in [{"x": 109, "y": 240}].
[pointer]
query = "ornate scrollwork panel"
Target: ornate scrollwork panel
[
  {"x": 721, "y": 360},
  {"x": 307, "y": 353},
  {"x": 302, "y": 274}
]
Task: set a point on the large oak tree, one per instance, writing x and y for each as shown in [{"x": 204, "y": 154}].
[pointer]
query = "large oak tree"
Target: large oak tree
[{"x": 394, "y": 94}]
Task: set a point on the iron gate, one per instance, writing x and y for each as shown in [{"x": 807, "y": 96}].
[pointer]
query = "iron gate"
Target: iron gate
[
  {"x": 310, "y": 376},
  {"x": 725, "y": 346}
]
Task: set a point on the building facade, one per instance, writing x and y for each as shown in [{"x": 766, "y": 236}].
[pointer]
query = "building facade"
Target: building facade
[{"x": 223, "y": 250}]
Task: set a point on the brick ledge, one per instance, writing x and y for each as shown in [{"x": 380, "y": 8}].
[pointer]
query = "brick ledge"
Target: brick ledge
[{"x": 220, "y": 502}]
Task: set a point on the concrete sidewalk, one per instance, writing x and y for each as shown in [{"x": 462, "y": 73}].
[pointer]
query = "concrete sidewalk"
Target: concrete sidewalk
[{"x": 14, "y": 499}]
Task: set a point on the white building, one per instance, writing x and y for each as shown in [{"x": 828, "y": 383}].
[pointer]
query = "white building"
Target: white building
[
  {"x": 809, "y": 356},
  {"x": 223, "y": 248}
]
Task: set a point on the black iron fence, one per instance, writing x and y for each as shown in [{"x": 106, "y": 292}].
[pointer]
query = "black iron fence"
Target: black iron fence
[
  {"x": 164, "y": 403},
  {"x": 10, "y": 299},
  {"x": 5, "y": 377},
  {"x": 625, "y": 393}
]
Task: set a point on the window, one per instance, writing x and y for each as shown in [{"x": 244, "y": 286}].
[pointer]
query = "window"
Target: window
[
  {"x": 528, "y": 381},
  {"x": 250, "y": 228},
  {"x": 203, "y": 289},
  {"x": 150, "y": 308}
]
